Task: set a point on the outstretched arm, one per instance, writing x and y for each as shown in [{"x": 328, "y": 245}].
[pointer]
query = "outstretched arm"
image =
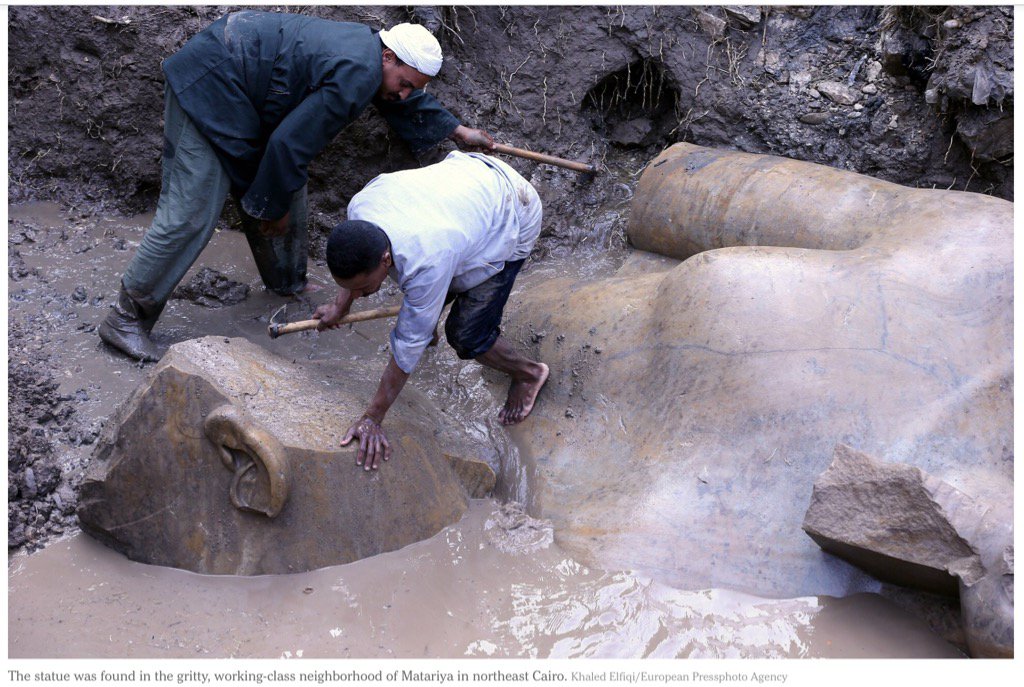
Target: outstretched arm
[
  {"x": 373, "y": 444},
  {"x": 419, "y": 120}
]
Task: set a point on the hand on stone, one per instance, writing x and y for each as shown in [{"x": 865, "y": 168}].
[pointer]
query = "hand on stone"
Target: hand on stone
[{"x": 373, "y": 444}]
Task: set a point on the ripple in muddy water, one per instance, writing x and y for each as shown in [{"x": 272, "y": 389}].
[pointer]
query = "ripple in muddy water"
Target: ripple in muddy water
[{"x": 458, "y": 594}]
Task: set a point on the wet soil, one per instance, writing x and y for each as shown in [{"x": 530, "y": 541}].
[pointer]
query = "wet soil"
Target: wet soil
[
  {"x": 918, "y": 96},
  {"x": 56, "y": 405}
]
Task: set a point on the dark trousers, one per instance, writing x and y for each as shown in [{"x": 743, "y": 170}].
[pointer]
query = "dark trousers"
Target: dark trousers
[
  {"x": 473, "y": 324},
  {"x": 194, "y": 188}
]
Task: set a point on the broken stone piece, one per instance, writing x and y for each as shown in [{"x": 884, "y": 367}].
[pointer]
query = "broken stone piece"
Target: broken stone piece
[
  {"x": 837, "y": 92},
  {"x": 744, "y": 16},
  {"x": 905, "y": 526},
  {"x": 887, "y": 519},
  {"x": 713, "y": 27},
  {"x": 226, "y": 460}
]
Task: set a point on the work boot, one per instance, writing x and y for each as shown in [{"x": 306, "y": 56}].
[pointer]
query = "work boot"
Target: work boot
[{"x": 127, "y": 328}]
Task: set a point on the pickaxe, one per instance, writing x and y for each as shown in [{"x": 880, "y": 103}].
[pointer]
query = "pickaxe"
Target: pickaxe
[
  {"x": 277, "y": 329},
  {"x": 588, "y": 170}
]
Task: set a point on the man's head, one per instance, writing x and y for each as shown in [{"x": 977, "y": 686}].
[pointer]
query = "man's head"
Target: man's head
[
  {"x": 411, "y": 57},
  {"x": 359, "y": 256}
]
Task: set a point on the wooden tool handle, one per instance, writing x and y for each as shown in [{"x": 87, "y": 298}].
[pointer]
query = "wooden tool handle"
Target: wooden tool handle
[
  {"x": 276, "y": 330},
  {"x": 541, "y": 157}
]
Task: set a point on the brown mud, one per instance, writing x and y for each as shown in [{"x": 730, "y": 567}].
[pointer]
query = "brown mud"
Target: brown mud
[
  {"x": 65, "y": 382},
  {"x": 917, "y": 103}
]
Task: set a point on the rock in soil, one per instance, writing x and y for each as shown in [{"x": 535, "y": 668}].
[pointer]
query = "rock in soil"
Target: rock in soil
[{"x": 213, "y": 289}]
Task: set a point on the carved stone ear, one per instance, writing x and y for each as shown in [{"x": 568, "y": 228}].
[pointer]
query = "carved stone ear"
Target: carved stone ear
[{"x": 256, "y": 458}]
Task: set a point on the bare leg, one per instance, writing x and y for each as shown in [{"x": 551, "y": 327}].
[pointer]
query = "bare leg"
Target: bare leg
[{"x": 528, "y": 376}]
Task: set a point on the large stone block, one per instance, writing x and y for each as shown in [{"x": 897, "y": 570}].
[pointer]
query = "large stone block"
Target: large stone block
[
  {"x": 692, "y": 404},
  {"x": 891, "y": 519},
  {"x": 903, "y": 525},
  {"x": 227, "y": 460}
]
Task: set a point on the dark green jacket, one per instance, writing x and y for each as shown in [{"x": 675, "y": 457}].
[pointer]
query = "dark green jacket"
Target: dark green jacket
[{"x": 271, "y": 90}]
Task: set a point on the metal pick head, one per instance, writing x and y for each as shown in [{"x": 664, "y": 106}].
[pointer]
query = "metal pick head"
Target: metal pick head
[{"x": 282, "y": 309}]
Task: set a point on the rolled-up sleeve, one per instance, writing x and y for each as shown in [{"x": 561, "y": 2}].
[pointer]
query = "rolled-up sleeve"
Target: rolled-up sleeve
[
  {"x": 419, "y": 120},
  {"x": 301, "y": 136},
  {"x": 424, "y": 293}
]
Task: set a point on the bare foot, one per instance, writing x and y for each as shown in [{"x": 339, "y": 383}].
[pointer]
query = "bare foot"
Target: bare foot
[
  {"x": 301, "y": 296},
  {"x": 521, "y": 397}
]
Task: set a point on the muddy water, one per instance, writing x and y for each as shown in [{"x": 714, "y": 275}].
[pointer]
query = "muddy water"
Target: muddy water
[
  {"x": 496, "y": 584},
  {"x": 473, "y": 590}
]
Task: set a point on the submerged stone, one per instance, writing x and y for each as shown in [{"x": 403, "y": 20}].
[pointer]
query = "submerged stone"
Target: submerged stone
[{"x": 226, "y": 460}]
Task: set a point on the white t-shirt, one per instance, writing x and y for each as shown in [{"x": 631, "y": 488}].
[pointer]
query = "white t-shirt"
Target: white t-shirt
[{"x": 452, "y": 226}]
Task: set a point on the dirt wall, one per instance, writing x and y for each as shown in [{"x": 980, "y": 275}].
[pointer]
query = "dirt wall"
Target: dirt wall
[{"x": 919, "y": 97}]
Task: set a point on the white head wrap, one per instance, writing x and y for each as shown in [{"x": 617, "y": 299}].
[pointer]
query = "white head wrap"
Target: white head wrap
[{"x": 415, "y": 46}]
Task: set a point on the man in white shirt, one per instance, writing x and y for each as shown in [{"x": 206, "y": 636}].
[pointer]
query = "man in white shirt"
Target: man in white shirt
[{"x": 457, "y": 231}]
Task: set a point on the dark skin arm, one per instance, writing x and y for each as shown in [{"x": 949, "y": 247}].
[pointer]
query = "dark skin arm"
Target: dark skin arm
[{"x": 373, "y": 444}]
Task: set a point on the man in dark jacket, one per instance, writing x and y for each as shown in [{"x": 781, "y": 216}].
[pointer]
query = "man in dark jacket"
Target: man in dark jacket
[{"x": 249, "y": 102}]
